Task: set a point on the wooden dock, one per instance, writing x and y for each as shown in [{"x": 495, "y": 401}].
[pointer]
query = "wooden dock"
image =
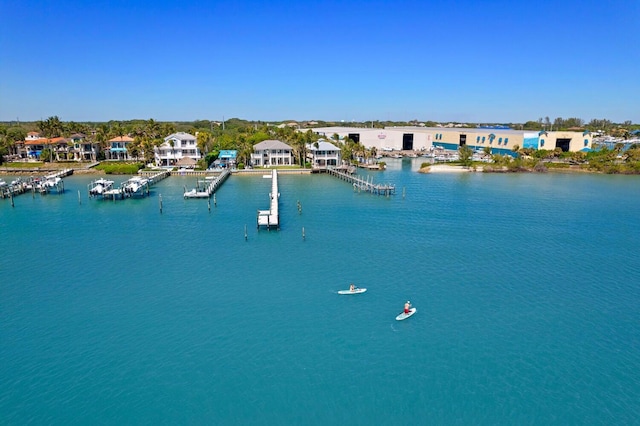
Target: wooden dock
[
  {"x": 210, "y": 185},
  {"x": 362, "y": 185},
  {"x": 271, "y": 218}
]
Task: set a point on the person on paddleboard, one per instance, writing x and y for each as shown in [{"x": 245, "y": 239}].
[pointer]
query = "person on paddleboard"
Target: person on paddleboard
[{"x": 407, "y": 306}]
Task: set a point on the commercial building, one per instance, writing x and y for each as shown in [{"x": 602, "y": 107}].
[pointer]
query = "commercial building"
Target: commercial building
[{"x": 499, "y": 140}]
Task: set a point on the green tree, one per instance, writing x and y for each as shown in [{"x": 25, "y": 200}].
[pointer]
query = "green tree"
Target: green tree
[
  {"x": 487, "y": 151},
  {"x": 465, "y": 153},
  {"x": 52, "y": 127}
]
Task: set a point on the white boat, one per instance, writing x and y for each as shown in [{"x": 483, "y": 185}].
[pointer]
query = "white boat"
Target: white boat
[
  {"x": 52, "y": 181},
  {"x": 134, "y": 185},
  {"x": 99, "y": 186},
  {"x": 2, "y": 183}
]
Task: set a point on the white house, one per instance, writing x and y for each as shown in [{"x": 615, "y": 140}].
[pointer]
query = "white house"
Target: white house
[
  {"x": 32, "y": 136},
  {"x": 326, "y": 154},
  {"x": 175, "y": 147},
  {"x": 271, "y": 153}
]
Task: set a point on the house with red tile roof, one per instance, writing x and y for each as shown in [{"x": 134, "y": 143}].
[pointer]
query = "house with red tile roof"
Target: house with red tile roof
[{"x": 118, "y": 148}]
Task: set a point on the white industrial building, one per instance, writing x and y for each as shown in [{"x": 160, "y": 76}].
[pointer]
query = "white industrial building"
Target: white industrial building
[{"x": 418, "y": 139}]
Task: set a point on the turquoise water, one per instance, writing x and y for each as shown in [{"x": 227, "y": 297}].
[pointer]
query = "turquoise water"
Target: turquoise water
[{"x": 527, "y": 289}]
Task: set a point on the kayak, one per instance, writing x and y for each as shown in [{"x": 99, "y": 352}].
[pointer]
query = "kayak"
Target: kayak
[
  {"x": 404, "y": 316},
  {"x": 356, "y": 291}
]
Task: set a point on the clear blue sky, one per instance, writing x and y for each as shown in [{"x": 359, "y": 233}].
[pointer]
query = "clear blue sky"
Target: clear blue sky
[{"x": 474, "y": 61}]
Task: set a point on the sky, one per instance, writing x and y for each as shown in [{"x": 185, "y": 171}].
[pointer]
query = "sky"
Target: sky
[{"x": 465, "y": 61}]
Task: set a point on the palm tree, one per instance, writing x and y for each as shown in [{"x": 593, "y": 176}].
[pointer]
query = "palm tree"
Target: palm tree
[
  {"x": 487, "y": 151},
  {"x": 465, "y": 155},
  {"x": 52, "y": 127},
  {"x": 101, "y": 137}
]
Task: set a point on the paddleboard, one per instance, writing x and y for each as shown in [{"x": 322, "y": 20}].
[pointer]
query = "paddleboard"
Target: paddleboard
[
  {"x": 356, "y": 291},
  {"x": 404, "y": 316}
]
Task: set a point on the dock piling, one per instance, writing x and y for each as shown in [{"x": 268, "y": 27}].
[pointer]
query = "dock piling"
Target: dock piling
[{"x": 160, "y": 198}]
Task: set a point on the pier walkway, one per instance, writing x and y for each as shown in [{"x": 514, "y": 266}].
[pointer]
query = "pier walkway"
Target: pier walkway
[
  {"x": 360, "y": 184},
  {"x": 211, "y": 185},
  {"x": 271, "y": 217}
]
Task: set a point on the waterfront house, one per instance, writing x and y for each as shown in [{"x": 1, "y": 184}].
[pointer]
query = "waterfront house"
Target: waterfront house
[
  {"x": 323, "y": 155},
  {"x": 227, "y": 158},
  {"x": 83, "y": 149},
  {"x": 60, "y": 147},
  {"x": 32, "y": 136},
  {"x": 271, "y": 153},
  {"x": 33, "y": 147},
  {"x": 175, "y": 147},
  {"x": 118, "y": 148}
]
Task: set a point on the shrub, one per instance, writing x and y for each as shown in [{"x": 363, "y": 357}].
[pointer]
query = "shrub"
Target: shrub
[{"x": 120, "y": 168}]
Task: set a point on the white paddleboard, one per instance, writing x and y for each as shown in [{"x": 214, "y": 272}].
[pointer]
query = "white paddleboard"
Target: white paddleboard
[
  {"x": 404, "y": 316},
  {"x": 356, "y": 291}
]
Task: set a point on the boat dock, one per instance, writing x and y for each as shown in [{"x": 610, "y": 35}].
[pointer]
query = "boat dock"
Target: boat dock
[
  {"x": 155, "y": 177},
  {"x": 210, "y": 185},
  {"x": 137, "y": 186},
  {"x": 42, "y": 185},
  {"x": 360, "y": 184},
  {"x": 271, "y": 217}
]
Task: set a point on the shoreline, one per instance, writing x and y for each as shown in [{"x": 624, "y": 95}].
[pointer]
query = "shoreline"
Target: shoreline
[{"x": 433, "y": 168}]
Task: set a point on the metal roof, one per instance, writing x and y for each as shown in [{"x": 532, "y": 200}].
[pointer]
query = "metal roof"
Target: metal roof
[{"x": 270, "y": 144}]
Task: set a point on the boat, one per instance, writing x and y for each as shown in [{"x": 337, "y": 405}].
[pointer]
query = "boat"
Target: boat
[
  {"x": 100, "y": 186},
  {"x": 134, "y": 185},
  {"x": 52, "y": 181},
  {"x": 191, "y": 193},
  {"x": 354, "y": 291}
]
